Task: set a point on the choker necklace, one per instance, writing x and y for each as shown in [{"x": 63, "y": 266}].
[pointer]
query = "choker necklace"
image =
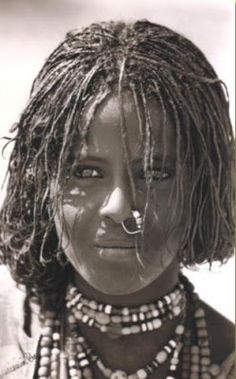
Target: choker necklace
[
  {"x": 70, "y": 356},
  {"x": 118, "y": 321}
]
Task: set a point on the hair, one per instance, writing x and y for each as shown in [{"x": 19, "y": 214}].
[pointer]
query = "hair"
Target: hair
[{"x": 150, "y": 60}]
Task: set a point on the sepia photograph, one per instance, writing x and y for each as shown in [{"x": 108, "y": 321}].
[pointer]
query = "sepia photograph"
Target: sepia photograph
[{"x": 117, "y": 189}]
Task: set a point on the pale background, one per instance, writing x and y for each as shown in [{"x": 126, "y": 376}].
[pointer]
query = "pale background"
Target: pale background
[{"x": 29, "y": 30}]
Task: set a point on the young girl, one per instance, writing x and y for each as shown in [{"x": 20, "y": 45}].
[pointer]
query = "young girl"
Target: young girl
[{"x": 121, "y": 174}]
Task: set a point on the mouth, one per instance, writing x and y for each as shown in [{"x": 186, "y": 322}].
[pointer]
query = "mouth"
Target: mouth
[
  {"x": 115, "y": 252},
  {"x": 114, "y": 246}
]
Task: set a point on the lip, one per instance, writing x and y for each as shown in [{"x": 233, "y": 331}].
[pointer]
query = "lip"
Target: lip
[
  {"x": 114, "y": 244},
  {"x": 115, "y": 251}
]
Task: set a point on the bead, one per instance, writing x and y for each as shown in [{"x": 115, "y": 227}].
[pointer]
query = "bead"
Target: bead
[
  {"x": 167, "y": 349},
  {"x": 49, "y": 314},
  {"x": 199, "y": 313},
  {"x": 84, "y": 363},
  {"x": 103, "y": 329},
  {"x": 203, "y": 342},
  {"x": 79, "y": 306},
  {"x": 79, "y": 348},
  {"x": 91, "y": 322},
  {"x": 202, "y": 333},
  {"x": 93, "y": 304},
  {"x": 135, "y": 329},
  {"x": 49, "y": 322},
  {"x": 126, "y": 319},
  {"x": 43, "y": 371},
  {"x": 125, "y": 311},
  {"x": 91, "y": 313},
  {"x": 167, "y": 299},
  {"x": 134, "y": 317},
  {"x": 141, "y": 374},
  {"x": 71, "y": 363},
  {"x": 78, "y": 315},
  {"x": 45, "y": 351},
  {"x": 156, "y": 323},
  {"x": 205, "y": 361},
  {"x": 119, "y": 374},
  {"x": 155, "y": 313},
  {"x": 179, "y": 330},
  {"x": 81, "y": 355},
  {"x": 143, "y": 327},
  {"x": 194, "y": 368},
  {"x": 205, "y": 351},
  {"x": 141, "y": 316},
  {"x": 46, "y": 341},
  {"x": 47, "y": 331},
  {"x": 55, "y": 351},
  {"x": 116, "y": 319},
  {"x": 174, "y": 361},
  {"x": 201, "y": 323},
  {"x": 143, "y": 308},
  {"x": 56, "y": 337},
  {"x": 214, "y": 370},
  {"x": 161, "y": 357},
  {"x": 72, "y": 372},
  {"x": 55, "y": 365},
  {"x": 172, "y": 343},
  {"x": 195, "y": 359},
  {"x": 44, "y": 361},
  {"x": 85, "y": 319},
  {"x": 126, "y": 331},
  {"x": 150, "y": 326},
  {"x": 195, "y": 349},
  {"x": 108, "y": 309},
  {"x": 54, "y": 374},
  {"x": 176, "y": 310}
]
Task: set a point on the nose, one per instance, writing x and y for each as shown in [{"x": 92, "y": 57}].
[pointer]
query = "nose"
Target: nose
[{"x": 117, "y": 206}]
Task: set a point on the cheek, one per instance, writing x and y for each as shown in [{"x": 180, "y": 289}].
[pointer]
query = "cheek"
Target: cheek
[
  {"x": 72, "y": 220},
  {"x": 161, "y": 231}
]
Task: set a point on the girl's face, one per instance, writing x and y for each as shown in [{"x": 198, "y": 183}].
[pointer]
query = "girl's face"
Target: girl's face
[{"x": 98, "y": 197}]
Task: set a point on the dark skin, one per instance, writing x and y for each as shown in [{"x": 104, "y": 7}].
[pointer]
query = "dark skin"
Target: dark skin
[{"x": 107, "y": 207}]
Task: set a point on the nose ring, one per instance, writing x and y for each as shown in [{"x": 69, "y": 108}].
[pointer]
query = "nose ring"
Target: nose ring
[{"x": 138, "y": 223}]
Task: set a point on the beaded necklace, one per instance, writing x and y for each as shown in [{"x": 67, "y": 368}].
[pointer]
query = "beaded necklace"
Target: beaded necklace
[
  {"x": 188, "y": 352},
  {"x": 118, "y": 321}
]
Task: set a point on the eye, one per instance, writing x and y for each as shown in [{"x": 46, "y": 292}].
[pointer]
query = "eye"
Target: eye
[
  {"x": 156, "y": 174},
  {"x": 85, "y": 172}
]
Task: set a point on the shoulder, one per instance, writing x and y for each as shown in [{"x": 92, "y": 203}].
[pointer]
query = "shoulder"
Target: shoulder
[{"x": 221, "y": 334}]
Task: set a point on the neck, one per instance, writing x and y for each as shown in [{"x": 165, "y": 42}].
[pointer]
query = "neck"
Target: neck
[{"x": 163, "y": 284}]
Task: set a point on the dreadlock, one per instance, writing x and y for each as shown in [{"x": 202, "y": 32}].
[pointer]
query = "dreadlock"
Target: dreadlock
[{"x": 150, "y": 60}]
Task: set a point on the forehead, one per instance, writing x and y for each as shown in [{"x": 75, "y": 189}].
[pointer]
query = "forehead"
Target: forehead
[{"x": 105, "y": 128}]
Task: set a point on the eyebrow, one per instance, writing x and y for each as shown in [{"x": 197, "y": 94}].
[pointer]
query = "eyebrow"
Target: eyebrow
[{"x": 158, "y": 157}]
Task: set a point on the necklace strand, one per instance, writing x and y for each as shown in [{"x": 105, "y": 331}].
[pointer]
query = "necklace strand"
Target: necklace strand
[
  {"x": 119, "y": 321},
  {"x": 188, "y": 351}
]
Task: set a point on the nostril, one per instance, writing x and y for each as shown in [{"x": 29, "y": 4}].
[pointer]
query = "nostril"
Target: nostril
[{"x": 116, "y": 206}]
